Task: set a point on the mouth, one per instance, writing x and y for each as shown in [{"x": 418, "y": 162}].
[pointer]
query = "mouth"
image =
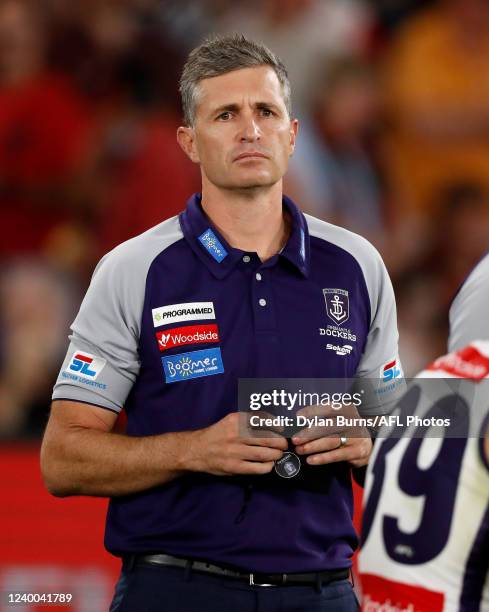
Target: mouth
[{"x": 250, "y": 155}]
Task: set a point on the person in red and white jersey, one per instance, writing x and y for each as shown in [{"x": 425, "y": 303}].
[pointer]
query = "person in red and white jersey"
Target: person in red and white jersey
[{"x": 426, "y": 506}]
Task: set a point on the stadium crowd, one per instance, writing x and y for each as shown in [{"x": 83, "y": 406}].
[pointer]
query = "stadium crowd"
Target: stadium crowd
[{"x": 393, "y": 102}]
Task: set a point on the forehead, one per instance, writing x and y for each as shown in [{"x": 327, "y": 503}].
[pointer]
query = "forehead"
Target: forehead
[{"x": 247, "y": 85}]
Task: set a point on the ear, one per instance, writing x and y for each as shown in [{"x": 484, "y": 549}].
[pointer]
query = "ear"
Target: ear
[
  {"x": 186, "y": 139},
  {"x": 294, "y": 128}
]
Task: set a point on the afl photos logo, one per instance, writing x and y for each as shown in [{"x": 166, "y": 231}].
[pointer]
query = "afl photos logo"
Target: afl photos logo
[{"x": 337, "y": 305}]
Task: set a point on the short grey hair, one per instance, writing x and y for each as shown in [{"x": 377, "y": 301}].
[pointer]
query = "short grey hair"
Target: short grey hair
[{"x": 221, "y": 54}]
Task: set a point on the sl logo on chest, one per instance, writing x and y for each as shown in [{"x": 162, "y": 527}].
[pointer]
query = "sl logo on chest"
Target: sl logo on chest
[{"x": 337, "y": 304}]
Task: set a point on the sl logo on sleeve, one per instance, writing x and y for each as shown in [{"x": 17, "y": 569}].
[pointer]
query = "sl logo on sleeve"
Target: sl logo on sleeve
[
  {"x": 86, "y": 365},
  {"x": 391, "y": 371},
  {"x": 194, "y": 364}
]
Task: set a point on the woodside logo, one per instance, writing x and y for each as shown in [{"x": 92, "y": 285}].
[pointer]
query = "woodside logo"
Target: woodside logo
[{"x": 190, "y": 334}]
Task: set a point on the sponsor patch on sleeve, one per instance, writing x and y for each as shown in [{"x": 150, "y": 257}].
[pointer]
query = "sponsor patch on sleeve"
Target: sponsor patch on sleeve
[
  {"x": 391, "y": 370},
  {"x": 85, "y": 365},
  {"x": 194, "y": 364},
  {"x": 84, "y": 368}
]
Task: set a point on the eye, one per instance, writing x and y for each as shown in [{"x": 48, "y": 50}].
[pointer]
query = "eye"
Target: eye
[
  {"x": 225, "y": 116},
  {"x": 266, "y": 112}
]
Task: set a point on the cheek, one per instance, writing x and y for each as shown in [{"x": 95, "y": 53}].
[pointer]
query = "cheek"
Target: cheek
[
  {"x": 284, "y": 145},
  {"x": 215, "y": 144},
  {"x": 209, "y": 152}
]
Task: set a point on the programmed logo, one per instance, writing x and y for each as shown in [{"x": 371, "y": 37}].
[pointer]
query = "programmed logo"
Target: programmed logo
[
  {"x": 194, "y": 364},
  {"x": 86, "y": 365},
  {"x": 175, "y": 313},
  {"x": 212, "y": 244}
]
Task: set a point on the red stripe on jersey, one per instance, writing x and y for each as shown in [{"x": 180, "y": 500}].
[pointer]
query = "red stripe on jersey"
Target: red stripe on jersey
[
  {"x": 390, "y": 365},
  {"x": 84, "y": 358},
  {"x": 466, "y": 363},
  {"x": 381, "y": 594}
]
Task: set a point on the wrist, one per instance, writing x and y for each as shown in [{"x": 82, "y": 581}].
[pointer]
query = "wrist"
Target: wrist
[{"x": 188, "y": 456}]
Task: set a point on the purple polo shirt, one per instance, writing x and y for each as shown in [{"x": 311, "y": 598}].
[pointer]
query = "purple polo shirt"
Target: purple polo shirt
[{"x": 172, "y": 319}]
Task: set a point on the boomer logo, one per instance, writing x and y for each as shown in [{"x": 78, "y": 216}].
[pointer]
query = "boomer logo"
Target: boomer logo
[
  {"x": 192, "y": 365},
  {"x": 337, "y": 304},
  {"x": 212, "y": 244},
  {"x": 190, "y": 334},
  {"x": 86, "y": 365}
]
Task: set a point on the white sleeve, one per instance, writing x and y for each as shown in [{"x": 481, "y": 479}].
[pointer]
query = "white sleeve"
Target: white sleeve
[
  {"x": 469, "y": 312},
  {"x": 102, "y": 361},
  {"x": 380, "y": 367}
]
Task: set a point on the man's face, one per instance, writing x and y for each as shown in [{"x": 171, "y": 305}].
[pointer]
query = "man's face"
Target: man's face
[{"x": 242, "y": 135}]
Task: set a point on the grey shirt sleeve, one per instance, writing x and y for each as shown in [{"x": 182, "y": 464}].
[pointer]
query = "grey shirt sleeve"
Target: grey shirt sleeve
[
  {"x": 380, "y": 367},
  {"x": 102, "y": 361},
  {"x": 469, "y": 312}
]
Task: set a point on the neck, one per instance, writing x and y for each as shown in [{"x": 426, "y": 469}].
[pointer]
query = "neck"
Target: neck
[{"x": 249, "y": 219}]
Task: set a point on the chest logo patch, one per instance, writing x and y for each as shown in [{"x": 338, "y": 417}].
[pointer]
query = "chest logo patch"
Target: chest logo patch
[
  {"x": 212, "y": 245},
  {"x": 337, "y": 305},
  {"x": 194, "y": 364},
  {"x": 190, "y": 334},
  {"x": 175, "y": 313}
]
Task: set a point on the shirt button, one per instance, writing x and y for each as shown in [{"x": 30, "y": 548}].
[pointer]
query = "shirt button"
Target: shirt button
[
  {"x": 262, "y": 302},
  {"x": 246, "y": 258},
  {"x": 258, "y": 276}
]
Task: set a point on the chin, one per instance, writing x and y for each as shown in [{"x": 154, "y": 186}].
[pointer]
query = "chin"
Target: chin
[
  {"x": 245, "y": 181},
  {"x": 255, "y": 181}
]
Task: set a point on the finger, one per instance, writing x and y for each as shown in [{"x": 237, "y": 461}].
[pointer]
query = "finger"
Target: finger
[
  {"x": 275, "y": 441},
  {"x": 259, "y": 453},
  {"x": 262, "y": 421},
  {"x": 314, "y": 433},
  {"x": 316, "y": 410},
  {"x": 252, "y": 467},
  {"x": 356, "y": 451},
  {"x": 319, "y": 445},
  {"x": 333, "y": 456}
]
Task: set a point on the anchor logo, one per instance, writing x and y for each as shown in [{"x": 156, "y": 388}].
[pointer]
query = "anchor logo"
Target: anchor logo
[{"x": 337, "y": 304}]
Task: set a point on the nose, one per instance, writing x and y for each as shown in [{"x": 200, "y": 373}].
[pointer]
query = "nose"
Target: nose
[{"x": 250, "y": 130}]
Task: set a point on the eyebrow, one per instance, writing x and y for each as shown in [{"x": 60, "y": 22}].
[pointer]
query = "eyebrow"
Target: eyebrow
[
  {"x": 235, "y": 107},
  {"x": 224, "y": 107}
]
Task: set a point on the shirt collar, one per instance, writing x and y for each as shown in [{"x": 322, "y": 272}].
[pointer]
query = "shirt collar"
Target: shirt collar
[{"x": 215, "y": 252}]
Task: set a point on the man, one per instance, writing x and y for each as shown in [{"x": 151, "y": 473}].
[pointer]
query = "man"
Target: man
[
  {"x": 426, "y": 516},
  {"x": 241, "y": 284}
]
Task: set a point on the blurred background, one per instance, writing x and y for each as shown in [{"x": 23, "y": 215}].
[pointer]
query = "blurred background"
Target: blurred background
[{"x": 393, "y": 102}]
